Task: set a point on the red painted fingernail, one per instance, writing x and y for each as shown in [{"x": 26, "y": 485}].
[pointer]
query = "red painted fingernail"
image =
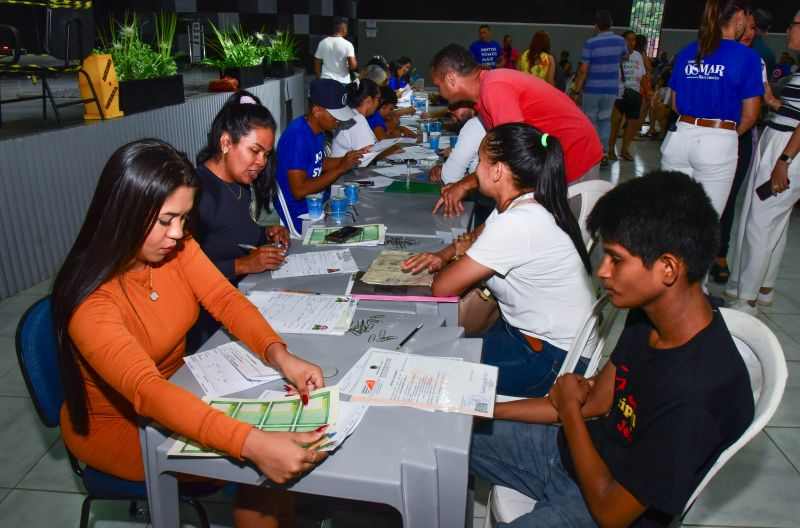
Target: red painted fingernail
[
  {"x": 320, "y": 429},
  {"x": 305, "y": 399},
  {"x": 288, "y": 388}
]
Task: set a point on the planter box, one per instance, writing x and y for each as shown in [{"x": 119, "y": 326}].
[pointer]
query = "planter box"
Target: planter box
[
  {"x": 280, "y": 70},
  {"x": 247, "y": 77},
  {"x": 148, "y": 94}
]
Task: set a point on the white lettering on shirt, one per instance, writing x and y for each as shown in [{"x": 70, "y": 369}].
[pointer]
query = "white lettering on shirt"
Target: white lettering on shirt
[{"x": 711, "y": 72}]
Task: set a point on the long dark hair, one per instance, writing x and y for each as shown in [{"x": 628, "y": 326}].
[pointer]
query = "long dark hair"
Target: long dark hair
[
  {"x": 240, "y": 114},
  {"x": 358, "y": 91},
  {"x": 538, "y": 167},
  {"x": 540, "y": 43},
  {"x": 716, "y": 14},
  {"x": 133, "y": 186},
  {"x": 395, "y": 65}
]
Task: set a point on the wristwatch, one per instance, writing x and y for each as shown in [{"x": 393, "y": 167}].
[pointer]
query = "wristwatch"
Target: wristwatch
[{"x": 785, "y": 158}]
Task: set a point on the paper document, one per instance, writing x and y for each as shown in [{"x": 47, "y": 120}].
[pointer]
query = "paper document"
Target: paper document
[
  {"x": 378, "y": 182},
  {"x": 279, "y": 414},
  {"x": 393, "y": 171},
  {"x": 371, "y": 235},
  {"x": 423, "y": 382},
  {"x": 228, "y": 368},
  {"x": 305, "y": 313},
  {"x": 386, "y": 270},
  {"x": 376, "y": 149},
  {"x": 317, "y": 263}
]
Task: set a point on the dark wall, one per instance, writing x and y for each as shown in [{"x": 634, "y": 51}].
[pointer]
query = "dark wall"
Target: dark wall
[
  {"x": 542, "y": 11},
  {"x": 686, "y": 14}
]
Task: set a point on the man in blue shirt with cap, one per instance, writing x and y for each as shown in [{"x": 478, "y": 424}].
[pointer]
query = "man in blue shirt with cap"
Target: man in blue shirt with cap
[{"x": 303, "y": 168}]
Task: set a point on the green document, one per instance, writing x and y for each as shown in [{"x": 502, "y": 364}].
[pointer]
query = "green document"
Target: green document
[
  {"x": 414, "y": 188},
  {"x": 287, "y": 414}
]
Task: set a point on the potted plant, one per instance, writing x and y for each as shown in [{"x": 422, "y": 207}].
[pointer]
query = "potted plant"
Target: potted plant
[
  {"x": 239, "y": 55},
  {"x": 281, "y": 54},
  {"x": 148, "y": 76}
]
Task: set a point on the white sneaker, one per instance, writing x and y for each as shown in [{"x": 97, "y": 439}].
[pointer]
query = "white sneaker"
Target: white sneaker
[
  {"x": 765, "y": 299},
  {"x": 740, "y": 305}
]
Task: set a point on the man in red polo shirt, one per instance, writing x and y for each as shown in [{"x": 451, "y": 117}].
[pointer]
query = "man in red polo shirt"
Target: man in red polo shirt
[{"x": 508, "y": 96}]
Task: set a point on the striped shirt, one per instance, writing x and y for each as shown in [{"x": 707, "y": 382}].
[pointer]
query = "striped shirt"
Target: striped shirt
[
  {"x": 789, "y": 112},
  {"x": 603, "y": 53}
]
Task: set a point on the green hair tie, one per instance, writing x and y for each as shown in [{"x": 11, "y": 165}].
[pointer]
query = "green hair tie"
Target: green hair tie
[{"x": 544, "y": 140}]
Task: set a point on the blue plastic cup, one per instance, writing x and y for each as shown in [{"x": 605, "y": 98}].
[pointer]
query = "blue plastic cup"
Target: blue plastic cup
[
  {"x": 351, "y": 193},
  {"x": 420, "y": 105},
  {"x": 314, "y": 203},
  {"x": 436, "y": 126},
  {"x": 338, "y": 208},
  {"x": 434, "y": 141},
  {"x": 453, "y": 140}
]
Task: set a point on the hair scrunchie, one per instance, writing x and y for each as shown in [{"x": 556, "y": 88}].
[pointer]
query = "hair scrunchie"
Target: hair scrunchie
[{"x": 544, "y": 139}]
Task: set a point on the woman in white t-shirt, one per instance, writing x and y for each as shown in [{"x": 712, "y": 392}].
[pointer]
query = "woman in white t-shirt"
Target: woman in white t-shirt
[
  {"x": 530, "y": 253},
  {"x": 364, "y": 97},
  {"x": 629, "y": 100}
]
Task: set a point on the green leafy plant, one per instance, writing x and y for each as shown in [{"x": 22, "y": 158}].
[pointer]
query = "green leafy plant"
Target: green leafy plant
[
  {"x": 282, "y": 47},
  {"x": 235, "y": 49},
  {"x": 133, "y": 57}
]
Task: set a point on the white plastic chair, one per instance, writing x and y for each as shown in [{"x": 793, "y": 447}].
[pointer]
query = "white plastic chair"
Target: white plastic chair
[
  {"x": 589, "y": 191},
  {"x": 766, "y": 365},
  {"x": 285, "y": 209},
  {"x": 591, "y": 338}
]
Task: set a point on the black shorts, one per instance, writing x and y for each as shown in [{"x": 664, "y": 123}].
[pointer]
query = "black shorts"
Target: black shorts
[{"x": 630, "y": 105}]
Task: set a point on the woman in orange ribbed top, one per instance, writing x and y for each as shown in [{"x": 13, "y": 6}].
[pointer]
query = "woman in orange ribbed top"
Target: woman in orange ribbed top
[{"x": 122, "y": 303}]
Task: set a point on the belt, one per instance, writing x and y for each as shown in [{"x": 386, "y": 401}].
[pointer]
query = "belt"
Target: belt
[
  {"x": 708, "y": 123},
  {"x": 535, "y": 343}
]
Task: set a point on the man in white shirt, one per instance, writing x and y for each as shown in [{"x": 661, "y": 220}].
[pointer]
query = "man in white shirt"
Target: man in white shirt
[
  {"x": 335, "y": 56},
  {"x": 464, "y": 157}
]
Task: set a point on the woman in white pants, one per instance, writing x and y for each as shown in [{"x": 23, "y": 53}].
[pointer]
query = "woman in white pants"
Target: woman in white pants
[
  {"x": 717, "y": 90},
  {"x": 763, "y": 223}
]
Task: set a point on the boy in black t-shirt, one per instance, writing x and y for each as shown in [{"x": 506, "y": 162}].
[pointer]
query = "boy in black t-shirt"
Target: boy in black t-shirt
[{"x": 674, "y": 394}]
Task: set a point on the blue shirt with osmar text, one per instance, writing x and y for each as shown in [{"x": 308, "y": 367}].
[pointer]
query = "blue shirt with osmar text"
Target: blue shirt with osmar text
[
  {"x": 485, "y": 53},
  {"x": 716, "y": 87},
  {"x": 298, "y": 149}
]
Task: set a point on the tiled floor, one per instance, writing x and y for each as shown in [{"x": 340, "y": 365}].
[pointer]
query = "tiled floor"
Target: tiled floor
[{"x": 759, "y": 487}]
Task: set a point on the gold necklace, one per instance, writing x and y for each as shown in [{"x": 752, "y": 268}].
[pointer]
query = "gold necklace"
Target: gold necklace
[
  {"x": 153, "y": 293},
  {"x": 228, "y": 185}
]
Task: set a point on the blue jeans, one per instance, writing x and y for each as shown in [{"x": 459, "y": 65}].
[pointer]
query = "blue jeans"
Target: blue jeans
[
  {"x": 597, "y": 108},
  {"x": 525, "y": 457},
  {"x": 522, "y": 370}
]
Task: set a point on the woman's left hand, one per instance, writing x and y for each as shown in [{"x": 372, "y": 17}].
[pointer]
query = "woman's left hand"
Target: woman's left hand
[
  {"x": 304, "y": 376},
  {"x": 433, "y": 261},
  {"x": 780, "y": 178},
  {"x": 279, "y": 234}
]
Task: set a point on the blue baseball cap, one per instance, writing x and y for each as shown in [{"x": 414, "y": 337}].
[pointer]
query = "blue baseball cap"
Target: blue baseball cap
[{"x": 332, "y": 96}]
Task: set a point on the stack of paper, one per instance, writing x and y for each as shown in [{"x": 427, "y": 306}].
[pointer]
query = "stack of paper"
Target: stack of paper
[
  {"x": 316, "y": 263},
  {"x": 278, "y": 414},
  {"x": 414, "y": 152},
  {"x": 228, "y": 368},
  {"x": 385, "y": 377},
  {"x": 371, "y": 235},
  {"x": 305, "y": 313},
  {"x": 376, "y": 149},
  {"x": 379, "y": 182}
]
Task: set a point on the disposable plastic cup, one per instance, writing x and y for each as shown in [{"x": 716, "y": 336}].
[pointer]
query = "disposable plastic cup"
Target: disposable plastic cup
[
  {"x": 351, "y": 193},
  {"x": 453, "y": 140},
  {"x": 434, "y": 142},
  {"x": 314, "y": 203},
  {"x": 338, "y": 208}
]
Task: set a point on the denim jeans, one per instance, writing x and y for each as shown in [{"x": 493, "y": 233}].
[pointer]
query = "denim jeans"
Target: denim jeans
[
  {"x": 597, "y": 108},
  {"x": 522, "y": 370},
  {"x": 525, "y": 457}
]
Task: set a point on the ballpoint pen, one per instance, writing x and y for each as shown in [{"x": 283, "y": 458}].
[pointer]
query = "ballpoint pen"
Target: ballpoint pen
[{"x": 408, "y": 337}]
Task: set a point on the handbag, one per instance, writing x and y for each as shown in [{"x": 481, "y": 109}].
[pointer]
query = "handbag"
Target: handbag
[{"x": 477, "y": 311}]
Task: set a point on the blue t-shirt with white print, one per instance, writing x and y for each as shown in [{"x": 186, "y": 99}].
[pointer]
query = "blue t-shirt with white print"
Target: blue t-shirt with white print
[
  {"x": 715, "y": 88},
  {"x": 298, "y": 149},
  {"x": 486, "y": 53}
]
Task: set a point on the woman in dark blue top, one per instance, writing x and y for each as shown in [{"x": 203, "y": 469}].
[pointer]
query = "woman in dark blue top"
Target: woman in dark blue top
[{"x": 236, "y": 164}]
